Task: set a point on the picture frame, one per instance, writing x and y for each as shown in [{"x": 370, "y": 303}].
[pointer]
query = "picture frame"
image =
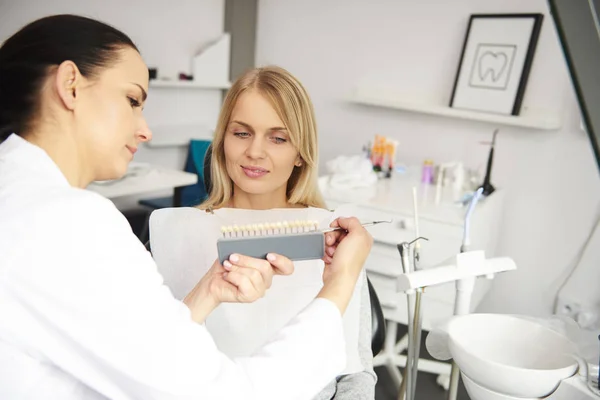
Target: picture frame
[{"x": 495, "y": 62}]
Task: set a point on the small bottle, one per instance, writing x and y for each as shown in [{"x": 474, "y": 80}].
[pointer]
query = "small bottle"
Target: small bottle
[
  {"x": 427, "y": 172},
  {"x": 367, "y": 151},
  {"x": 377, "y": 157}
]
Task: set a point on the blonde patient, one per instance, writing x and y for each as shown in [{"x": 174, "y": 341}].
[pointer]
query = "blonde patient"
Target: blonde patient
[
  {"x": 264, "y": 166},
  {"x": 260, "y": 161}
]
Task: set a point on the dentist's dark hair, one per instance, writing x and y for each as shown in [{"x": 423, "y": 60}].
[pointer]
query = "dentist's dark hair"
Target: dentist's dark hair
[{"x": 27, "y": 56}]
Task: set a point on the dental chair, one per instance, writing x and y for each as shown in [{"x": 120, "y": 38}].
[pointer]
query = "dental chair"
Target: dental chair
[
  {"x": 183, "y": 196},
  {"x": 377, "y": 319},
  {"x": 186, "y": 195}
]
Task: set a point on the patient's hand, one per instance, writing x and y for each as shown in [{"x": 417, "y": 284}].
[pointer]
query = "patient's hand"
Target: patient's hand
[{"x": 240, "y": 279}]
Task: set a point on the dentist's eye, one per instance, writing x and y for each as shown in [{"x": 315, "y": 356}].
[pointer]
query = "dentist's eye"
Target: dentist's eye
[
  {"x": 241, "y": 134},
  {"x": 133, "y": 102},
  {"x": 279, "y": 140}
]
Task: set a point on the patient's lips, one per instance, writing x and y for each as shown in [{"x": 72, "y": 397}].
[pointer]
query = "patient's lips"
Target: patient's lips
[{"x": 254, "y": 172}]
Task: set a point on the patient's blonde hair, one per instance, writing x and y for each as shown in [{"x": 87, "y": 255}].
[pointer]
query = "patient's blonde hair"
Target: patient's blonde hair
[{"x": 292, "y": 104}]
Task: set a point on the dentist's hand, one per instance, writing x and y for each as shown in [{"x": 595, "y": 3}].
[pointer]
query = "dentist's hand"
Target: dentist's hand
[
  {"x": 246, "y": 279},
  {"x": 346, "y": 252},
  {"x": 240, "y": 279}
]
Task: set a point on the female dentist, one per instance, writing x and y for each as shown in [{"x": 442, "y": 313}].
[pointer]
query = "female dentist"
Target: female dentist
[{"x": 83, "y": 311}]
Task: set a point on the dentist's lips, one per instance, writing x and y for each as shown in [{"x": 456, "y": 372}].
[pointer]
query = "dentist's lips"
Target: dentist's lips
[
  {"x": 131, "y": 149},
  {"x": 254, "y": 172}
]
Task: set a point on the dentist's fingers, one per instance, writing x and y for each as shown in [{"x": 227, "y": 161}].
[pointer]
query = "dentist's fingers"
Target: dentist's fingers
[
  {"x": 274, "y": 264},
  {"x": 249, "y": 283},
  {"x": 334, "y": 236},
  {"x": 332, "y": 239},
  {"x": 340, "y": 276}
]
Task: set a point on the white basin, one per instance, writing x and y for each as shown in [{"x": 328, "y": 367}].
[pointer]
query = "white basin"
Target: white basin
[
  {"x": 510, "y": 355},
  {"x": 478, "y": 392}
]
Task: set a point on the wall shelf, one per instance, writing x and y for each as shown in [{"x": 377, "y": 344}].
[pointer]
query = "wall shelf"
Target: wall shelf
[
  {"x": 541, "y": 122},
  {"x": 188, "y": 85},
  {"x": 178, "y": 135}
]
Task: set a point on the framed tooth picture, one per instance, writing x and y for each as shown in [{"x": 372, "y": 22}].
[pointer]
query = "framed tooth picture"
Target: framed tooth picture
[{"x": 496, "y": 59}]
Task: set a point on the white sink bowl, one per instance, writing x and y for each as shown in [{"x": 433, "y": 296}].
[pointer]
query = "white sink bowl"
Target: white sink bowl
[
  {"x": 478, "y": 392},
  {"x": 510, "y": 355}
]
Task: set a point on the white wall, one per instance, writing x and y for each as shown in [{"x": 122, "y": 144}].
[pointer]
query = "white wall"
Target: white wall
[
  {"x": 168, "y": 35},
  {"x": 413, "y": 47}
]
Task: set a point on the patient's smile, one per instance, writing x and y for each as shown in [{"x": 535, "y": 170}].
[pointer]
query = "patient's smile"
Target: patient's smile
[{"x": 254, "y": 172}]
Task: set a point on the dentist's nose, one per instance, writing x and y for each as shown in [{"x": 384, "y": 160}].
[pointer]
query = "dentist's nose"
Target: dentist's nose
[{"x": 143, "y": 132}]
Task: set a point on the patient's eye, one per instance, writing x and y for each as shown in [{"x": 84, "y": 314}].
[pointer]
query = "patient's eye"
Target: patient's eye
[
  {"x": 241, "y": 134},
  {"x": 278, "y": 139}
]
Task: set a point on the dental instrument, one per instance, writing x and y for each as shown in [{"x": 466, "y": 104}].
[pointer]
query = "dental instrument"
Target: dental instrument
[
  {"x": 389, "y": 221},
  {"x": 487, "y": 186}
]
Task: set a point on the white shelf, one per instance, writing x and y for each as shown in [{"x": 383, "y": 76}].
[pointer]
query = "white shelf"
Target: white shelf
[
  {"x": 188, "y": 85},
  {"x": 542, "y": 122},
  {"x": 178, "y": 135}
]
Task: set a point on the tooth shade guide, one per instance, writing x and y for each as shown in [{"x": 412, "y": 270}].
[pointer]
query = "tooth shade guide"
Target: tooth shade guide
[{"x": 270, "y": 228}]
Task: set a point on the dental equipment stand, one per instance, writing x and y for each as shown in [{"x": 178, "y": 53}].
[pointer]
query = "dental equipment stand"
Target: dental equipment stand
[
  {"x": 409, "y": 376},
  {"x": 465, "y": 267},
  {"x": 415, "y": 319},
  {"x": 468, "y": 266},
  {"x": 464, "y": 288}
]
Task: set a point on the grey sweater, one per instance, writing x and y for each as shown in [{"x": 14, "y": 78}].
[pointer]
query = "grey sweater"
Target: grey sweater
[{"x": 361, "y": 385}]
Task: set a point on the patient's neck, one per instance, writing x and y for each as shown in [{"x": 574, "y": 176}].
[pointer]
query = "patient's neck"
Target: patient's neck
[{"x": 263, "y": 201}]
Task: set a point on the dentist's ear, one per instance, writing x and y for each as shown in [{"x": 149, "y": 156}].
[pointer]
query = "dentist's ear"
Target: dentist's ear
[
  {"x": 66, "y": 83},
  {"x": 298, "y": 162}
]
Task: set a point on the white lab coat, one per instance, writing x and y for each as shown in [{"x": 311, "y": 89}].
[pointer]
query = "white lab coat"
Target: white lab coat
[{"x": 84, "y": 313}]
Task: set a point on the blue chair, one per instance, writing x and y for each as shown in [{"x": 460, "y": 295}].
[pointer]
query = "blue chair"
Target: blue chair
[
  {"x": 191, "y": 195},
  {"x": 184, "y": 196}
]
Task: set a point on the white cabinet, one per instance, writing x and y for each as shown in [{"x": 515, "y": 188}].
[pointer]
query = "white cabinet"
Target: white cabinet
[{"x": 441, "y": 223}]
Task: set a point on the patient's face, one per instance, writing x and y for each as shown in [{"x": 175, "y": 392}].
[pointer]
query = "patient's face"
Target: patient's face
[{"x": 259, "y": 155}]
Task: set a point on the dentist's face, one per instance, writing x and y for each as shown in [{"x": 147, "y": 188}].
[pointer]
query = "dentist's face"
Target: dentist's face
[
  {"x": 259, "y": 155},
  {"x": 109, "y": 115}
]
